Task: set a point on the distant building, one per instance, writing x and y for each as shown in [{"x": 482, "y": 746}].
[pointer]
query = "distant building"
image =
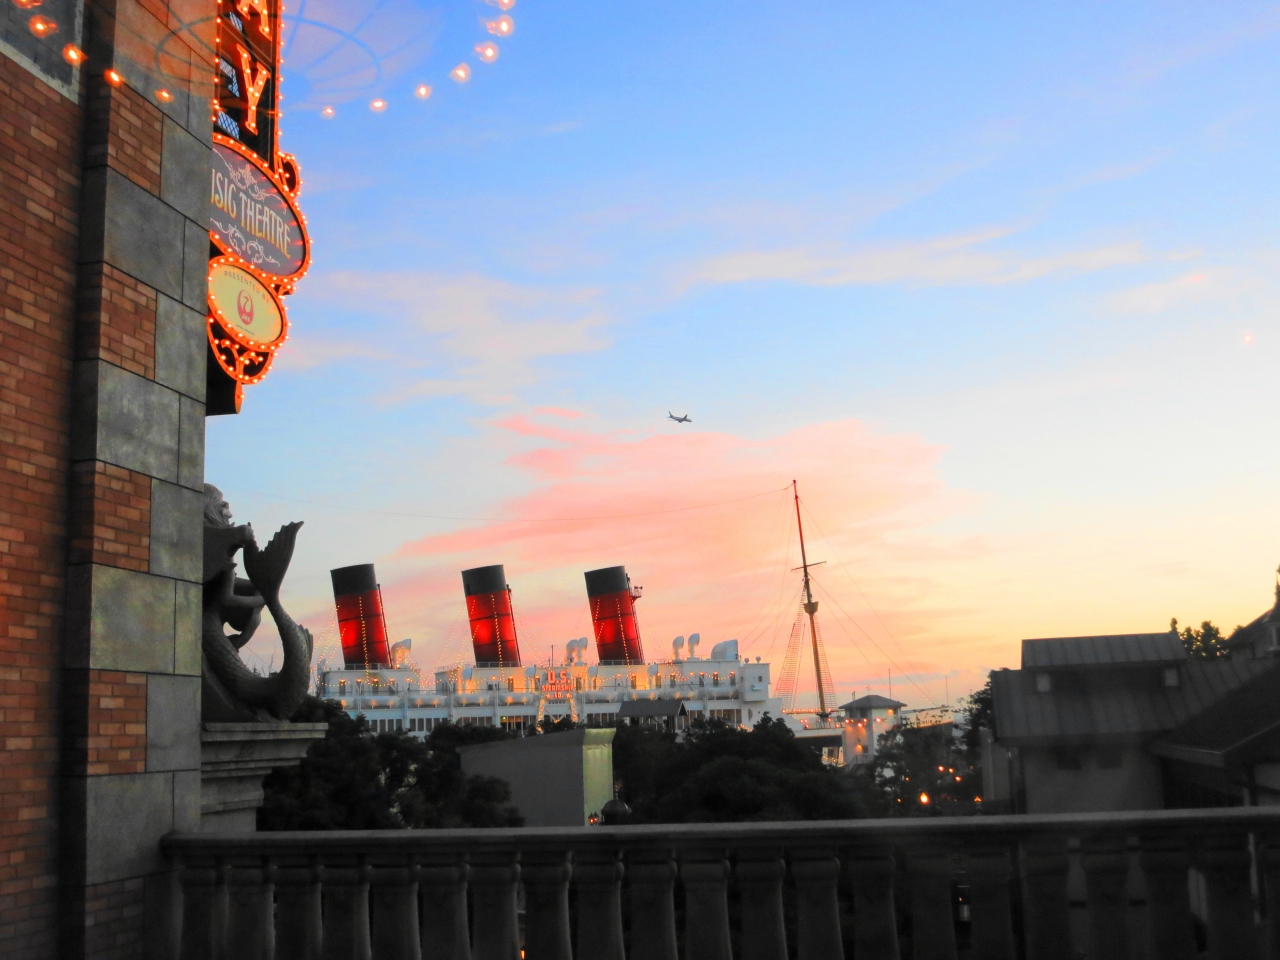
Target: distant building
[
  {"x": 557, "y": 780},
  {"x": 1113, "y": 723},
  {"x": 864, "y": 720}
]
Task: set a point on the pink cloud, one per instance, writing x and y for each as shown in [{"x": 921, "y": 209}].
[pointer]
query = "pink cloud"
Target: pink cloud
[{"x": 703, "y": 520}]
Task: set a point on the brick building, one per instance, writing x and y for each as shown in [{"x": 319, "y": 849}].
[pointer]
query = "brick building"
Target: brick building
[{"x": 104, "y": 247}]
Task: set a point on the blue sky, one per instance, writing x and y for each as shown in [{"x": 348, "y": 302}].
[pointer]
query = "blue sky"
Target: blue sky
[{"x": 998, "y": 281}]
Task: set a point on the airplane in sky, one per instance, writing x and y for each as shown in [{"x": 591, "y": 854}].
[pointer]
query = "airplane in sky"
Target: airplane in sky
[{"x": 684, "y": 419}]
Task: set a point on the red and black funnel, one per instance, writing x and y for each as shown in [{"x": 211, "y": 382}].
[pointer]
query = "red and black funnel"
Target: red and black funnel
[
  {"x": 613, "y": 611},
  {"x": 493, "y": 626},
  {"x": 361, "y": 623}
]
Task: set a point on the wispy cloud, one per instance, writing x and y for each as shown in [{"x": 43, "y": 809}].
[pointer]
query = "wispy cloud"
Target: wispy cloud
[
  {"x": 470, "y": 335},
  {"x": 702, "y": 519},
  {"x": 962, "y": 259}
]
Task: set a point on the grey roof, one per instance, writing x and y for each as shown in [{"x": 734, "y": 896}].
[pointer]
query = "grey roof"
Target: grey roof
[
  {"x": 1243, "y": 725},
  {"x": 1096, "y": 651},
  {"x": 1115, "y": 704},
  {"x": 872, "y": 701},
  {"x": 652, "y": 708}
]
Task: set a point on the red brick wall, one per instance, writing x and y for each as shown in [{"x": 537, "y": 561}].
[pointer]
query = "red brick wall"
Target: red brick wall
[
  {"x": 117, "y": 320},
  {"x": 111, "y": 516},
  {"x": 126, "y": 133},
  {"x": 40, "y": 154},
  {"x": 113, "y": 738}
]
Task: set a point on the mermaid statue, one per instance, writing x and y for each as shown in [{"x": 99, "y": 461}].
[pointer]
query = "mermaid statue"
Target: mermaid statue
[{"x": 231, "y": 691}]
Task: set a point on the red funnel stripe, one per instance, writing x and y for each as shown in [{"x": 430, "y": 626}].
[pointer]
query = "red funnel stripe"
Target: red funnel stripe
[
  {"x": 493, "y": 625},
  {"x": 362, "y": 626},
  {"x": 613, "y": 614}
]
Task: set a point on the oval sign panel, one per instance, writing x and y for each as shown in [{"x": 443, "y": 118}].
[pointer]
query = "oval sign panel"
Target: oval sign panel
[
  {"x": 244, "y": 305},
  {"x": 251, "y": 216}
]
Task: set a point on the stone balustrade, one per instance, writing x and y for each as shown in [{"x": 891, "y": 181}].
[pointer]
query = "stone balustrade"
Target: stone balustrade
[{"x": 867, "y": 889}]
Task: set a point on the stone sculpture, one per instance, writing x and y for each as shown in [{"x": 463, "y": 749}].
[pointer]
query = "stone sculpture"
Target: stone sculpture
[{"x": 231, "y": 691}]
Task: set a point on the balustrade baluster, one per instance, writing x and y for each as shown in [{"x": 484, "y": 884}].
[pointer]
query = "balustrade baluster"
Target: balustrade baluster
[
  {"x": 651, "y": 875},
  {"x": 1044, "y": 878},
  {"x": 546, "y": 906},
  {"x": 1105, "y": 860},
  {"x": 1269, "y": 868},
  {"x": 1224, "y": 860},
  {"x": 298, "y": 910},
  {"x": 705, "y": 874},
  {"x": 393, "y": 895},
  {"x": 495, "y": 933},
  {"x": 345, "y": 895},
  {"x": 250, "y": 911},
  {"x": 989, "y": 869},
  {"x": 875, "y": 922},
  {"x": 933, "y": 925},
  {"x": 760, "y": 871},
  {"x": 442, "y": 895},
  {"x": 816, "y": 872},
  {"x": 1165, "y": 865},
  {"x": 597, "y": 882},
  {"x": 204, "y": 912}
]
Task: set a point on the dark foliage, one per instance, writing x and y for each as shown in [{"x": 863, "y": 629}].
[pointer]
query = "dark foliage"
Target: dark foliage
[
  {"x": 931, "y": 770},
  {"x": 1205, "y": 643},
  {"x": 720, "y": 773},
  {"x": 354, "y": 779}
]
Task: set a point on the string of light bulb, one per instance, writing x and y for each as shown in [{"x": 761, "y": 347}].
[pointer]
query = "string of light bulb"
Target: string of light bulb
[{"x": 486, "y": 51}]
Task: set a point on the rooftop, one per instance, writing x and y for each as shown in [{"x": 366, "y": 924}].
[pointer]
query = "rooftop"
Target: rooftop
[
  {"x": 1116, "y": 705},
  {"x": 1118, "y": 648}
]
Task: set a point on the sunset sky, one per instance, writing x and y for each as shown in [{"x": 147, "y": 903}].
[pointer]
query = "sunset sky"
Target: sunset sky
[{"x": 996, "y": 283}]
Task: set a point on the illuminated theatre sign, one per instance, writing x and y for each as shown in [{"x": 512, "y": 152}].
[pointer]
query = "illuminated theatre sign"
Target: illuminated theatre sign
[{"x": 260, "y": 246}]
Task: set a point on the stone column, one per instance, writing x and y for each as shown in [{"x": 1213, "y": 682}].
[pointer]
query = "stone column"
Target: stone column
[
  {"x": 760, "y": 872},
  {"x": 131, "y": 656}
]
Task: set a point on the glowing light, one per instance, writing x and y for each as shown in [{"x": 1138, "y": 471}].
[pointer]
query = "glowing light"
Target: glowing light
[
  {"x": 422, "y": 92},
  {"x": 461, "y": 73},
  {"x": 378, "y": 105},
  {"x": 26, "y": 4},
  {"x": 1248, "y": 338},
  {"x": 327, "y": 113},
  {"x": 504, "y": 26},
  {"x": 488, "y": 52},
  {"x": 163, "y": 95},
  {"x": 73, "y": 54},
  {"x": 503, "y": 5},
  {"x": 924, "y": 799},
  {"x": 42, "y": 26},
  {"x": 113, "y": 78}
]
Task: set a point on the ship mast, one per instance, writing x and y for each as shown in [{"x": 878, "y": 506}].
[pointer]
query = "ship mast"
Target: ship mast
[{"x": 810, "y": 607}]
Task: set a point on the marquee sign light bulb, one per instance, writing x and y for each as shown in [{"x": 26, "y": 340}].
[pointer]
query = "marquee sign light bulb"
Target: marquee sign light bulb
[
  {"x": 42, "y": 26},
  {"x": 461, "y": 73},
  {"x": 164, "y": 96},
  {"x": 73, "y": 54},
  {"x": 502, "y": 27},
  {"x": 378, "y": 105},
  {"x": 423, "y": 91},
  {"x": 327, "y": 113},
  {"x": 488, "y": 52},
  {"x": 503, "y": 5},
  {"x": 27, "y": 4},
  {"x": 113, "y": 77}
]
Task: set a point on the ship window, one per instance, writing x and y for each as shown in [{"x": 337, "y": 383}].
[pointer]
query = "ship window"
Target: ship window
[
  {"x": 715, "y": 679},
  {"x": 633, "y": 681},
  {"x": 342, "y": 686},
  {"x": 511, "y": 683},
  {"x": 733, "y": 679}
]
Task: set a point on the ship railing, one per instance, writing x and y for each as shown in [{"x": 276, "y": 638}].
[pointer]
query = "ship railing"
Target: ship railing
[{"x": 996, "y": 887}]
